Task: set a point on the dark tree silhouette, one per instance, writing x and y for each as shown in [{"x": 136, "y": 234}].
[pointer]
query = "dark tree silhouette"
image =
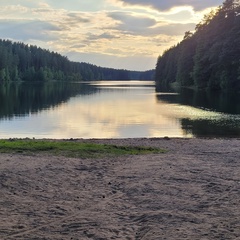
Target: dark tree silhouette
[
  {"x": 19, "y": 61},
  {"x": 209, "y": 58}
]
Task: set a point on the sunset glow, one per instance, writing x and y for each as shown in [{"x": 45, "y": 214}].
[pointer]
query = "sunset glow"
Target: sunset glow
[{"x": 128, "y": 34}]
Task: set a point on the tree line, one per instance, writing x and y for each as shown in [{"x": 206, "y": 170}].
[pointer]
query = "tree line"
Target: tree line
[
  {"x": 209, "y": 58},
  {"x": 22, "y": 62}
]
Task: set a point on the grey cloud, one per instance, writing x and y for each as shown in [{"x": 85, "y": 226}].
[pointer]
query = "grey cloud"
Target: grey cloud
[
  {"x": 164, "y": 5},
  {"x": 42, "y": 10},
  {"x": 93, "y": 37},
  {"x": 77, "y": 18},
  {"x": 26, "y": 30},
  {"x": 132, "y": 24},
  {"x": 107, "y": 36},
  {"x": 148, "y": 26},
  {"x": 73, "y": 20},
  {"x": 78, "y": 46}
]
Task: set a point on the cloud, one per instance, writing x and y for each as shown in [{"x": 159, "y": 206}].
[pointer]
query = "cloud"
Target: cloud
[
  {"x": 74, "y": 5},
  {"x": 147, "y": 26},
  {"x": 105, "y": 35},
  {"x": 163, "y": 5},
  {"x": 181, "y": 16},
  {"x": 22, "y": 30},
  {"x": 173, "y": 29},
  {"x": 118, "y": 33},
  {"x": 78, "y": 18},
  {"x": 132, "y": 24},
  {"x": 78, "y": 46},
  {"x": 25, "y": 3}
]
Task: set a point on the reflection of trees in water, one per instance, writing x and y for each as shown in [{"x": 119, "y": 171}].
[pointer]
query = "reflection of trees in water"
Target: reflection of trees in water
[
  {"x": 223, "y": 102},
  {"x": 210, "y": 128},
  {"x": 24, "y": 98}
]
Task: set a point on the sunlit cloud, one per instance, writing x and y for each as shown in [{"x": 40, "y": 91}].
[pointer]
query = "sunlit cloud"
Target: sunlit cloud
[
  {"x": 166, "y": 5},
  {"x": 137, "y": 30}
]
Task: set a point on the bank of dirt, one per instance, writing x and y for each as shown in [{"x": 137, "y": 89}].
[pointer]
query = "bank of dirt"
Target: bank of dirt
[{"x": 190, "y": 192}]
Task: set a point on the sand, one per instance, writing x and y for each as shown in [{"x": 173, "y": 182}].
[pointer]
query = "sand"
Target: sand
[{"x": 190, "y": 192}]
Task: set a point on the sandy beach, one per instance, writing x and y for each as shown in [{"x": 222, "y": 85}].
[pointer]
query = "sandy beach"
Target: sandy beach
[{"x": 190, "y": 192}]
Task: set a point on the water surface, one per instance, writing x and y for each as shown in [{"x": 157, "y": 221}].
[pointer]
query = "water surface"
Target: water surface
[{"x": 114, "y": 109}]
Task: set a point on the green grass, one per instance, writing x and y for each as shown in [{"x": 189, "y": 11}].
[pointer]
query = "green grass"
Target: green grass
[{"x": 72, "y": 148}]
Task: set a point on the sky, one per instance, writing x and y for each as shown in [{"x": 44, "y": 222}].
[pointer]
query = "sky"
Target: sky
[{"x": 121, "y": 34}]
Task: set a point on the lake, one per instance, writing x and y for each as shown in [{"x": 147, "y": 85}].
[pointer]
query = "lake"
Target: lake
[{"x": 114, "y": 109}]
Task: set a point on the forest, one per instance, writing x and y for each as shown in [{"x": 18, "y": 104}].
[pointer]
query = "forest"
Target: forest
[
  {"x": 22, "y": 62},
  {"x": 209, "y": 57}
]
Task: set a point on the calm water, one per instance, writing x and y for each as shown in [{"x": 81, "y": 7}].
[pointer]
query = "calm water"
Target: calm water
[{"x": 114, "y": 109}]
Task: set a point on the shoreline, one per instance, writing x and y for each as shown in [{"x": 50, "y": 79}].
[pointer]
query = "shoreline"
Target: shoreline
[{"x": 190, "y": 192}]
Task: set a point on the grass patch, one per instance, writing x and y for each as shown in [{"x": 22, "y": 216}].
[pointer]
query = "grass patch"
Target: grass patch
[{"x": 72, "y": 148}]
